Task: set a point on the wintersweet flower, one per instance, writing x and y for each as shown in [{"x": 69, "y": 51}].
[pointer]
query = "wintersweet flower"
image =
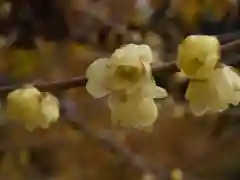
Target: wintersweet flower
[
  {"x": 127, "y": 78},
  {"x": 137, "y": 110},
  {"x": 121, "y": 72},
  {"x": 31, "y": 107},
  {"x": 215, "y": 94},
  {"x": 198, "y": 55}
]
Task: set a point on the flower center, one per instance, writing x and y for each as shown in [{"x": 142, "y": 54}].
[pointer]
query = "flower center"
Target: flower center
[{"x": 128, "y": 73}]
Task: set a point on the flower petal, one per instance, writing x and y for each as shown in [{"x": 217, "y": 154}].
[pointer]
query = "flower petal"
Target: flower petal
[
  {"x": 210, "y": 96},
  {"x": 145, "y": 53},
  {"x": 133, "y": 112},
  {"x": 196, "y": 95},
  {"x": 232, "y": 77},
  {"x": 49, "y": 108},
  {"x": 127, "y": 55},
  {"x": 96, "y": 74},
  {"x": 223, "y": 80},
  {"x": 160, "y": 92}
]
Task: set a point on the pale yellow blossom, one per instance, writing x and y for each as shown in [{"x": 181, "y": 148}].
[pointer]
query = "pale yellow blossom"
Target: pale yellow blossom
[
  {"x": 31, "y": 107},
  {"x": 127, "y": 78},
  {"x": 132, "y": 111},
  {"x": 229, "y": 78},
  {"x": 127, "y": 67},
  {"x": 137, "y": 110},
  {"x": 198, "y": 55},
  {"x": 215, "y": 94}
]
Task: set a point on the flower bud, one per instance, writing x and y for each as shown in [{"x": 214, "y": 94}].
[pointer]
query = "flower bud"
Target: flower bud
[{"x": 198, "y": 55}]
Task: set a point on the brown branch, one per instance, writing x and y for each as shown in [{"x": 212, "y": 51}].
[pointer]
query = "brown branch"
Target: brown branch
[
  {"x": 74, "y": 82},
  {"x": 230, "y": 45},
  {"x": 132, "y": 158},
  {"x": 51, "y": 86},
  {"x": 79, "y": 81}
]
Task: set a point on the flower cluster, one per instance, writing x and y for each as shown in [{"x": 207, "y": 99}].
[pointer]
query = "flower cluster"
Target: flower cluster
[
  {"x": 213, "y": 86},
  {"x": 31, "y": 107},
  {"x": 126, "y": 78}
]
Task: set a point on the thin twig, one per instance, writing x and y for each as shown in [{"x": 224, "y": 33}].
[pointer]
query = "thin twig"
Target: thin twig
[
  {"x": 79, "y": 81},
  {"x": 73, "y": 82},
  {"x": 51, "y": 86},
  {"x": 230, "y": 45},
  {"x": 132, "y": 158},
  {"x": 228, "y": 37}
]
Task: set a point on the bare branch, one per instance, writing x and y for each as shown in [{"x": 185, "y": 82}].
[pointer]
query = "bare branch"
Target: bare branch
[
  {"x": 230, "y": 45},
  {"x": 74, "y": 82},
  {"x": 79, "y": 81}
]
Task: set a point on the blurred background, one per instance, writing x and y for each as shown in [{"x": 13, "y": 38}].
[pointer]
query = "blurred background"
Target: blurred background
[{"x": 45, "y": 40}]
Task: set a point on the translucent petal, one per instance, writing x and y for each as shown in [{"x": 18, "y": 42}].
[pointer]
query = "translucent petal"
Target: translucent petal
[
  {"x": 211, "y": 96},
  {"x": 223, "y": 82},
  {"x": 197, "y": 94},
  {"x": 133, "y": 112},
  {"x": 232, "y": 76},
  {"x": 151, "y": 89},
  {"x": 145, "y": 53},
  {"x": 49, "y": 108},
  {"x": 160, "y": 93},
  {"x": 96, "y": 74},
  {"x": 233, "y": 79},
  {"x": 126, "y": 56}
]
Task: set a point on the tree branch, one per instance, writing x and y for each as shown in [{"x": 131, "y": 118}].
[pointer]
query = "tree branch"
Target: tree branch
[{"x": 79, "y": 81}]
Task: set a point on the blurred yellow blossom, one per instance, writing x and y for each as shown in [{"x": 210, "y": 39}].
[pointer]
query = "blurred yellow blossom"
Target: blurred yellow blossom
[
  {"x": 32, "y": 107},
  {"x": 177, "y": 174},
  {"x": 198, "y": 55}
]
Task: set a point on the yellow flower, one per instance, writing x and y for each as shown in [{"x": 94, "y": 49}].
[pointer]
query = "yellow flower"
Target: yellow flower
[
  {"x": 177, "y": 174},
  {"x": 127, "y": 78},
  {"x": 216, "y": 93},
  {"x": 228, "y": 77},
  {"x": 124, "y": 69},
  {"x": 31, "y": 107},
  {"x": 198, "y": 56},
  {"x": 136, "y": 110},
  {"x": 132, "y": 112}
]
